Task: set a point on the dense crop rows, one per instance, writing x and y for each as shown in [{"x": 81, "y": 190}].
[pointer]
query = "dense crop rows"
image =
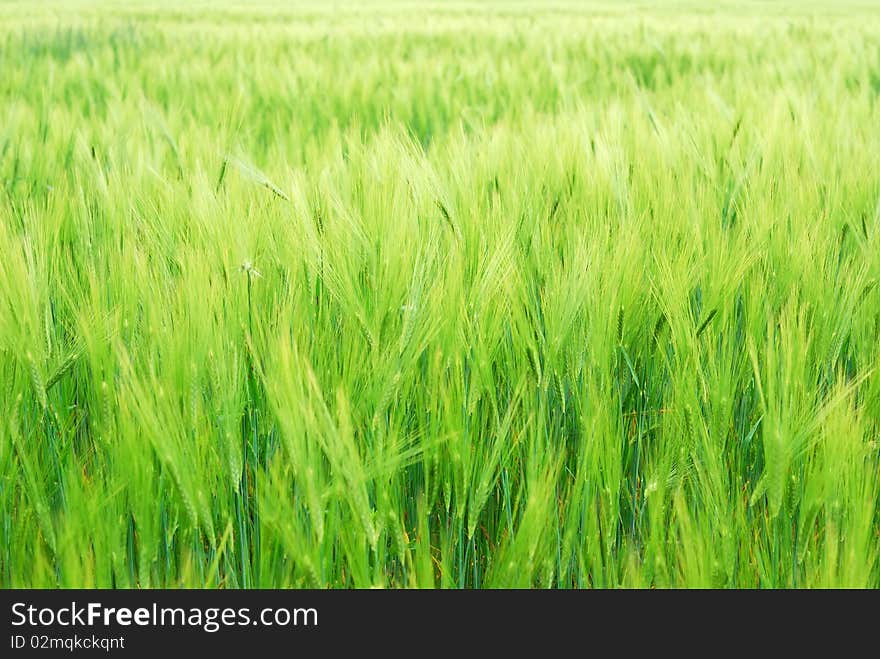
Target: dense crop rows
[{"x": 461, "y": 295}]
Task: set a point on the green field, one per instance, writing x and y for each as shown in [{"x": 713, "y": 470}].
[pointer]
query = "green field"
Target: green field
[{"x": 452, "y": 294}]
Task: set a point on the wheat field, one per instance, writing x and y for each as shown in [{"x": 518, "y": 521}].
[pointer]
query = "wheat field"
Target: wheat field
[{"x": 450, "y": 294}]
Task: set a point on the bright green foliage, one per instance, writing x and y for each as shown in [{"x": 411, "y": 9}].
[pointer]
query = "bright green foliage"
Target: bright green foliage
[{"x": 439, "y": 295}]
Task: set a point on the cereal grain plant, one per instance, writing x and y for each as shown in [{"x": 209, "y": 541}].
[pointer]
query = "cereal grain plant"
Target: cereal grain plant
[{"x": 448, "y": 294}]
